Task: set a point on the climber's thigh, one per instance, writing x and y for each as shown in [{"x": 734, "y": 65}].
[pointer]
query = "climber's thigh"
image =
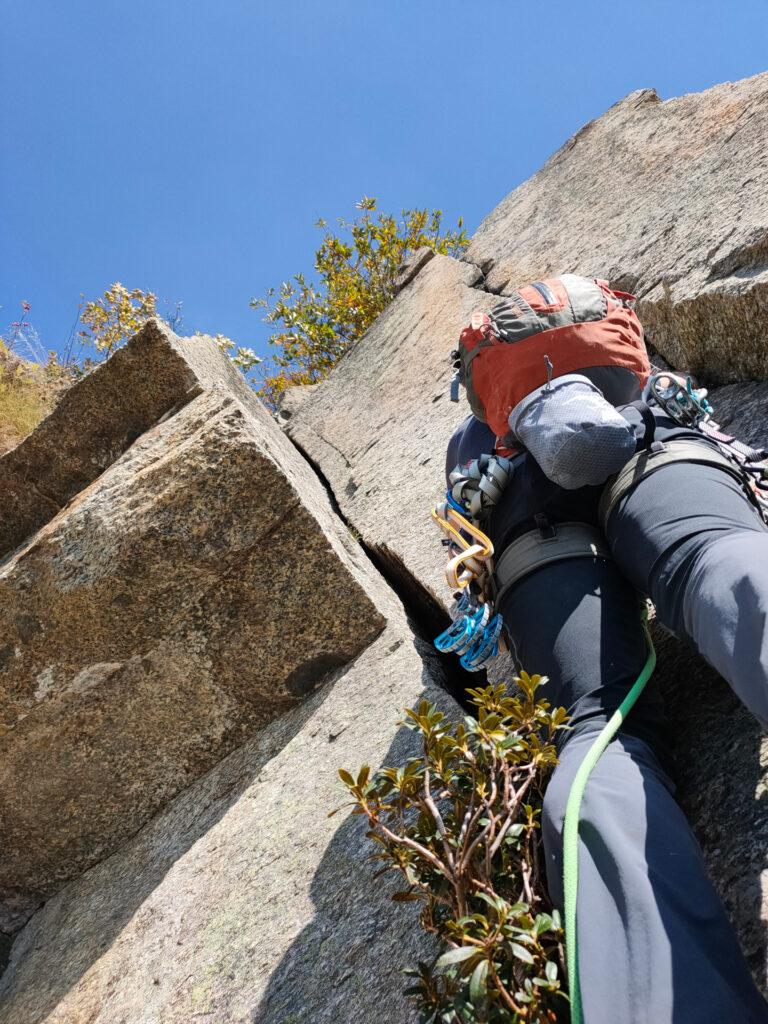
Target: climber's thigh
[
  {"x": 689, "y": 537},
  {"x": 659, "y": 527},
  {"x": 578, "y": 623},
  {"x": 654, "y": 942},
  {"x": 725, "y": 613}
]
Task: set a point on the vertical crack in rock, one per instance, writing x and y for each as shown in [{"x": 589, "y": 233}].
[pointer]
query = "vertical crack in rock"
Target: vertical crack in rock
[{"x": 425, "y": 615}]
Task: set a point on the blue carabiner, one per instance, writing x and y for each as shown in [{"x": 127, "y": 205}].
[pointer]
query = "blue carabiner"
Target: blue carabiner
[
  {"x": 463, "y": 632},
  {"x": 485, "y": 647}
]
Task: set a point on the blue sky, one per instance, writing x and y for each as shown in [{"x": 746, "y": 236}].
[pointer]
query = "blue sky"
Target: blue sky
[{"x": 188, "y": 147}]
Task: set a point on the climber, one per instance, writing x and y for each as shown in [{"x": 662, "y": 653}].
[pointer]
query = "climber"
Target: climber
[{"x": 554, "y": 376}]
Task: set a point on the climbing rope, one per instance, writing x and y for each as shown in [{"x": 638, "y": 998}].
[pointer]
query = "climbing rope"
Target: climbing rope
[{"x": 571, "y": 825}]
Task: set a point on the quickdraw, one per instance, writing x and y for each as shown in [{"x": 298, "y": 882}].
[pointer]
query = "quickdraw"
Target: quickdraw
[{"x": 475, "y": 633}]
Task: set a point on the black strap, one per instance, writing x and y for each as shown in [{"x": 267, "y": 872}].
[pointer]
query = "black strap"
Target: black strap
[{"x": 649, "y": 422}]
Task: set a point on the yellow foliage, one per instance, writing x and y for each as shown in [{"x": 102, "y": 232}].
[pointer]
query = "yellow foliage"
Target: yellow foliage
[
  {"x": 110, "y": 321},
  {"x": 27, "y": 392},
  {"x": 119, "y": 313},
  {"x": 356, "y": 272}
]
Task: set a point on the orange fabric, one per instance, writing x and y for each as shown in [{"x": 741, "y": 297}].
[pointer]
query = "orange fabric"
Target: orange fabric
[
  {"x": 535, "y": 299},
  {"x": 504, "y": 373}
]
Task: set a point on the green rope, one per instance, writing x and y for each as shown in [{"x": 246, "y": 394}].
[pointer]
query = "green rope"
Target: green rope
[{"x": 571, "y": 826}]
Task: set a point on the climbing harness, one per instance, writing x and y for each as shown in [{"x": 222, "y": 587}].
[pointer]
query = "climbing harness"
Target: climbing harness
[
  {"x": 662, "y": 454},
  {"x": 571, "y": 824},
  {"x": 543, "y": 546},
  {"x": 475, "y": 633}
]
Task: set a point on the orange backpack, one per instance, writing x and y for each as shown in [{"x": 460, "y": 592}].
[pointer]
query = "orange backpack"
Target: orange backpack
[{"x": 568, "y": 324}]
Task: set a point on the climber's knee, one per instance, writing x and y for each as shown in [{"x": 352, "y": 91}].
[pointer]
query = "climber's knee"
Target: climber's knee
[
  {"x": 726, "y": 613},
  {"x": 554, "y": 805},
  {"x": 613, "y": 818}
]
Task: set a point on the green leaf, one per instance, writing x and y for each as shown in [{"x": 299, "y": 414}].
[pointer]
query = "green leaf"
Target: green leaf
[
  {"x": 522, "y": 953},
  {"x": 345, "y": 777},
  {"x": 478, "y": 982},
  {"x": 551, "y": 971},
  {"x": 543, "y": 923},
  {"x": 456, "y": 956}
]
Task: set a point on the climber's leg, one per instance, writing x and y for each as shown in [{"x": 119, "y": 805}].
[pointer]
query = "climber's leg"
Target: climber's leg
[
  {"x": 725, "y": 613},
  {"x": 689, "y": 538},
  {"x": 655, "y": 946}
]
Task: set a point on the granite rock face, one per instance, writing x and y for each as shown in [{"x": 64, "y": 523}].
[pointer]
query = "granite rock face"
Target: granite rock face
[
  {"x": 653, "y": 196},
  {"x": 97, "y": 419},
  {"x": 242, "y": 901},
  {"x": 668, "y": 200},
  {"x": 198, "y": 589},
  {"x": 378, "y": 426}
]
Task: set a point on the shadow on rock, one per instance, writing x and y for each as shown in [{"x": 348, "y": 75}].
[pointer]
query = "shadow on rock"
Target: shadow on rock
[
  {"x": 346, "y": 965},
  {"x": 721, "y": 787},
  {"x": 88, "y": 919}
]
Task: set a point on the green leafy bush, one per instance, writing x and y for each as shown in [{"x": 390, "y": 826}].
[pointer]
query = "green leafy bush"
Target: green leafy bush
[{"x": 461, "y": 824}]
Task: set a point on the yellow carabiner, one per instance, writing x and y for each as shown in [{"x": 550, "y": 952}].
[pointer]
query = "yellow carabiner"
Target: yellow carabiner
[
  {"x": 464, "y": 567},
  {"x": 454, "y": 524},
  {"x": 468, "y": 564}
]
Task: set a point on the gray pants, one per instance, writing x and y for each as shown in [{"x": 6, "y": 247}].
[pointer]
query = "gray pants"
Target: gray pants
[{"x": 655, "y": 945}]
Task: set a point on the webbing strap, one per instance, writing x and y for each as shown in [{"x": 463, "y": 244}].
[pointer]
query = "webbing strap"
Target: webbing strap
[
  {"x": 745, "y": 451},
  {"x": 534, "y": 550},
  {"x": 644, "y": 463}
]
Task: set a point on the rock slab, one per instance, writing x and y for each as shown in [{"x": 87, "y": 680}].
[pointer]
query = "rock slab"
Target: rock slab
[
  {"x": 243, "y": 901},
  {"x": 195, "y": 591},
  {"x": 378, "y": 426},
  {"x": 98, "y": 419},
  {"x": 666, "y": 199}
]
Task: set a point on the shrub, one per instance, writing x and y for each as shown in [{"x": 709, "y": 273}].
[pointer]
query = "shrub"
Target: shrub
[
  {"x": 460, "y": 823},
  {"x": 109, "y": 321},
  {"x": 30, "y": 381},
  {"x": 356, "y": 272}
]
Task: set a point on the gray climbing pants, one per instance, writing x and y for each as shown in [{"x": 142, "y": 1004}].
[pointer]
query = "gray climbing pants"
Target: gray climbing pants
[{"x": 654, "y": 942}]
